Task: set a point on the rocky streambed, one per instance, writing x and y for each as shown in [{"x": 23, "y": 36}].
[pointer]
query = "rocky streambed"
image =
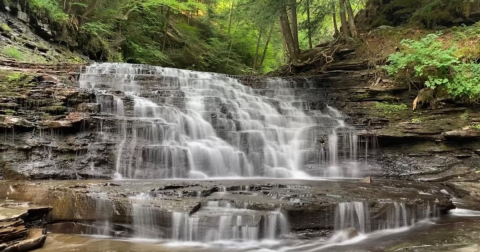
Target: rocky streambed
[{"x": 311, "y": 208}]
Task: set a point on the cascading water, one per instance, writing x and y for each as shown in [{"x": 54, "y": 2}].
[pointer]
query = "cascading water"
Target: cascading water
[
  {"x": 173, "y": 123},
  {"x": 352, "y": 215},
  {"x": 219, "y": 220},
  {"x": 356, "y": 215}
]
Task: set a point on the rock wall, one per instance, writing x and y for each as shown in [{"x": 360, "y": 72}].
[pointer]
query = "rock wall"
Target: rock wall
[{"x": 50, "y": 127}]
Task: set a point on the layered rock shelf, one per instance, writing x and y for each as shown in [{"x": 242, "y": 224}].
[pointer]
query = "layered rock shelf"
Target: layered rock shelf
[
  {"x": 111, "y": 207},
  {"x": 22, "y": 226}
]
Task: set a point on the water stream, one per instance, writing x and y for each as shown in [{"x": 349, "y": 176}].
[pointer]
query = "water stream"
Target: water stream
[{"x": 172, "y": 123}]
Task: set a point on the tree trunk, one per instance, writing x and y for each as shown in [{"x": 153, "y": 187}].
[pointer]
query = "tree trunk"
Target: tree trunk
[
  {"x": 294, "y": 22},
  {"x": 255, "y": 61},
  {"x": 351, "y": 19},
  {"x": 334, "y": 15},
  {"x": 343, "y": 18},
  {"x": 287, "y": 35},
  {"x": 230, "y": 17},
  {"x": 165, "y": 29},
  {"x": 266, "y": 47},
  {"x": 309, "y": 25}
]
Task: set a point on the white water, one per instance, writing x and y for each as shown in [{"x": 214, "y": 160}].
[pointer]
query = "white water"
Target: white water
[
  {"x": 220, "y": 221},
  {"x": 186, "y": 124},
  {"x": 356, "y": 215}
]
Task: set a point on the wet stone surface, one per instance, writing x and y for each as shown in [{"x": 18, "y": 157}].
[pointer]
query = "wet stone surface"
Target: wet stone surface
[{"x": 306, "y": 205}]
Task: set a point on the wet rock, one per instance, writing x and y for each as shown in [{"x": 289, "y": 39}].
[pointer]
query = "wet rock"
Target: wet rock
[
  {"x": 312, "y": 209},
  {"x": 351, "y": 233},
  {"x": 92, "y": 108},
  {"x": 367, "y": 180},
  {"x": 462, "y": 134},
  {"x": 35, "y": 239}
]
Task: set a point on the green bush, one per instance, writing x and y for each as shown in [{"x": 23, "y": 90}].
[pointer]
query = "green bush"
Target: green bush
[
  {"x": 50, "y": 9},
  {"x": 12, "y": 52},
  {"x": 428, "y": 61}
]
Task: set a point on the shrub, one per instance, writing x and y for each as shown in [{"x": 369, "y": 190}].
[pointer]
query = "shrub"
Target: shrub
[
  {"x": 429, "y": 62},
  {"x": 50, "y": 9}
]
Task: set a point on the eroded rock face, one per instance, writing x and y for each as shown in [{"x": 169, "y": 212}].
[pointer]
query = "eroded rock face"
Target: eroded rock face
[
  {"x": 49, "y": 134},
  {"x": 306, "y": 205}
]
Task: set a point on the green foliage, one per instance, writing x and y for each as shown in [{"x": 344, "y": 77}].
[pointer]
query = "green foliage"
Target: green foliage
[
  {"x": 388, "y": 108},
  {"x": 50, "y": 9},
  {"x": 431, "y": 62},
  {"x": 476, "y": 126},
  {"x": 12, "y": 52},
  {"x": 15, "y": 77}
]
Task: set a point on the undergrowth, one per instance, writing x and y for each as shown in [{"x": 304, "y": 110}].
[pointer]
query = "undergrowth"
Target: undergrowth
[{"x": 435, "y": 63}]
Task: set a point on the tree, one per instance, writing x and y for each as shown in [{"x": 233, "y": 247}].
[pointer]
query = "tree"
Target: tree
[
  {"x": 351, "y": 19},
  {"x": 343, "y": 18}
]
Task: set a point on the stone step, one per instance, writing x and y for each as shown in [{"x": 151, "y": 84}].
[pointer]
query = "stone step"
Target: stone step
[
  {"x": 12, "y": 233},
  {"x": 35, "y": 238}
]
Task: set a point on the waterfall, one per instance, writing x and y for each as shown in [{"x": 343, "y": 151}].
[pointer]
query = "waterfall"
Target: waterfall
[
  {"x": 172, "y": 123},
  {"x": 219, "y": 220},
  {"x": 104, "y": 210},
  {"x": 352, "y": 215},
  {"x": 356, "y": 215}
]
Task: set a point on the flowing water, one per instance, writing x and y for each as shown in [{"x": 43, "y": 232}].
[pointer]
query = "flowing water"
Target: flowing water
[{"x": 172, "y": 123}]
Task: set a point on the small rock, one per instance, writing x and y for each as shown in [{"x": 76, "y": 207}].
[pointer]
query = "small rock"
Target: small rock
[
  {"x": 473, "y": 194},
  {"x": 351, "y": 233},
  {"x": 367, "y": 180}
]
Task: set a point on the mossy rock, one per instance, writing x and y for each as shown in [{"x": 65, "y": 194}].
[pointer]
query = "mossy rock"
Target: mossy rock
[{"x": 54, "y": 110}]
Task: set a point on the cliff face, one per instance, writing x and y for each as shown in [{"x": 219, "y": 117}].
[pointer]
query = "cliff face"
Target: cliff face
[{"x": 45, "y": 121}]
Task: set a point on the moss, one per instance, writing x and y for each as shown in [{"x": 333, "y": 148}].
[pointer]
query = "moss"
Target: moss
[
  {"x": 4, "y": 27},
  {"x": 16, "y": 77},
  {"x": 13, "y": 52},
  {"x": 11, "y": 82},
  {"x": 388, "y": 108},
  {"x": 9, "y": 111},
  {"x": 416, "y": 120},
  {"x": 360, "y": 97},
  {"x": 54, "y": 109}
]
